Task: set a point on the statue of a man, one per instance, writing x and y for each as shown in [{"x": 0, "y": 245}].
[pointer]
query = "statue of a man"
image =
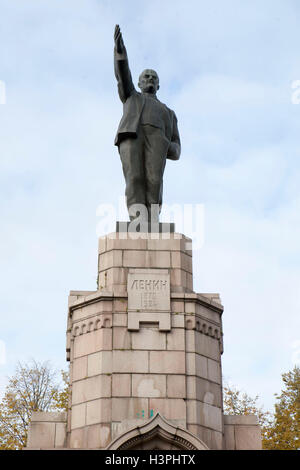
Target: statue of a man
[{"x": 147, "y": 134}]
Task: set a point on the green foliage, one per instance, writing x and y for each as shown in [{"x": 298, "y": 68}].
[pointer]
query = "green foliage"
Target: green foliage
[
  {"x": 32, "y": 388},
  {"x": 284, "y": 433},
  {"x": 281, "y": 430},
  {"x": 61, "y": 396}
]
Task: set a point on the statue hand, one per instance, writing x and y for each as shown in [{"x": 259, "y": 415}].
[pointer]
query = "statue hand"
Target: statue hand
[
  {"x": 173, "y": 151},
  {"x": 119, "y": 43}
]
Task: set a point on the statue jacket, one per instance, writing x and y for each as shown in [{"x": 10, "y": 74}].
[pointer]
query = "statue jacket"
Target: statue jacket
[{"x": 133, "y": 105}]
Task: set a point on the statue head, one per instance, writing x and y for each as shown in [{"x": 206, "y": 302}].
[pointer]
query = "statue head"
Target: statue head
[{"x": 149, "y": 81}]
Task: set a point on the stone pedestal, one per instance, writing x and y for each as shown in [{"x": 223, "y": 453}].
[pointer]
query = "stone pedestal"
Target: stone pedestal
[
  {"x": 144, "y": 343},
  {"x": 145, "y": 352}
]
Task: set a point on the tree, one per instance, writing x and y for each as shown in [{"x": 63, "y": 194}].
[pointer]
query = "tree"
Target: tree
[
  {"x": 284, "y": 434},
  {"x": 61, "y": 395},
  {"x": 32, "y": 388},
  {"x": 237, "y": 402}
]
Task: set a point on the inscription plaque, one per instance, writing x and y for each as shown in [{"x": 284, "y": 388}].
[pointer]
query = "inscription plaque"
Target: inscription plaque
[
  {"x": 149, "y": 298},
  {"x": 149, "y": 290}
]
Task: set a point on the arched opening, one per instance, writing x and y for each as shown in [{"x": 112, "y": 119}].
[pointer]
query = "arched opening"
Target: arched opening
[{"x": 157, "y": 434}]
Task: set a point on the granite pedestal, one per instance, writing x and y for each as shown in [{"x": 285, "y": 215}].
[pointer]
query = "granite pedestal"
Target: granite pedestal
[{"x": 146, "y": 347}]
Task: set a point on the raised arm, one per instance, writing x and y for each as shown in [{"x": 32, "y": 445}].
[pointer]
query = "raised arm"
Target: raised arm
[{"x": 122, "y": 71}]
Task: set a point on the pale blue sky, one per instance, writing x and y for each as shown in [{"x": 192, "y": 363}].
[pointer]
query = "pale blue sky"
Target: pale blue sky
[{"x": 227, "y": 69}]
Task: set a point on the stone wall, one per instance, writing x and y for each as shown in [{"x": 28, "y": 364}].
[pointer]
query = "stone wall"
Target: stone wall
[
  {"x": 47, "y": 430},
  {"x": 241, "y": 432}
]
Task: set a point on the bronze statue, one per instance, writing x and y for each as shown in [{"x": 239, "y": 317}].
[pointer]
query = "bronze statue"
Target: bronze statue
[{"x": 147, "y": 134}]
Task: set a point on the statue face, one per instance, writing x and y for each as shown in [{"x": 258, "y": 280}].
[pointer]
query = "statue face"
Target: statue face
[{"x": 148, "y": 81}]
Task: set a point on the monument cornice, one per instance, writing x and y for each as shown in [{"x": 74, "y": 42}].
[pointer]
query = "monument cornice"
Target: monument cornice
[{"x": 199, "y": 299}]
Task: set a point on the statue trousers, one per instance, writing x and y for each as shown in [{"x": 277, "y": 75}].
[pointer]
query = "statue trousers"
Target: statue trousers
[{"x": 143, "y": 161}]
